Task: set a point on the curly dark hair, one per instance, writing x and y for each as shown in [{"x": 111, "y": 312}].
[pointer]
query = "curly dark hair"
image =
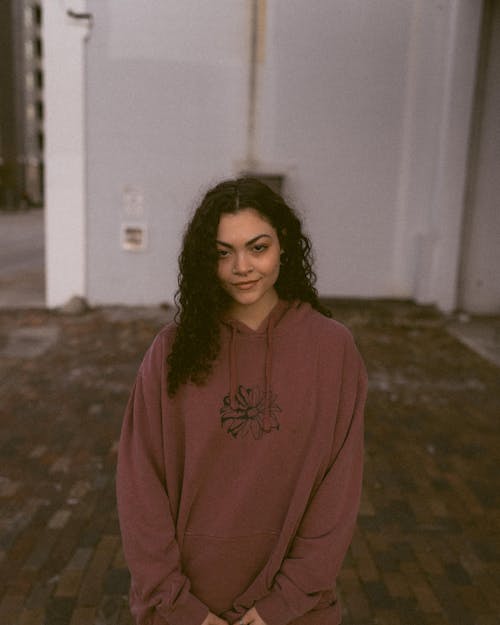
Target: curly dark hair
[{"x": 201, "y": 300}]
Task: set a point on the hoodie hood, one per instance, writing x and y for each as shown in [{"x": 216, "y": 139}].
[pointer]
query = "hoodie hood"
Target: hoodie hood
[{"x": 279, "y": 321}]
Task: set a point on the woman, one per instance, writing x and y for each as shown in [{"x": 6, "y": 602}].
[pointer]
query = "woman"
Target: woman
[{"x": 240, "y": 460}]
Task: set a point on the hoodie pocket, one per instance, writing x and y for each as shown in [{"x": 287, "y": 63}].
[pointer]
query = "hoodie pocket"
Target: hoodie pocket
[{"x": 221, "y": 569}]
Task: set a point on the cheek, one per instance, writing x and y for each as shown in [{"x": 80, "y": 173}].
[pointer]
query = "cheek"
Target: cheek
[
  {"x": 274, "y": 266},
  {"x": 222, "y": 271}
]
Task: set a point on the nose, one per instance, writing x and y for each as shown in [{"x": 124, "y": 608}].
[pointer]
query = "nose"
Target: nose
[{"x": 242, "y": 264}]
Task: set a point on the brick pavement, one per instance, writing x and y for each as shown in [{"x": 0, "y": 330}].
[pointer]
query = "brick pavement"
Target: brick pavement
[{"x": 427, "y": 547}]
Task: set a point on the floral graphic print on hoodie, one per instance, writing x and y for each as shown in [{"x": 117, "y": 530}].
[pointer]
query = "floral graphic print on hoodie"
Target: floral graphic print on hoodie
[{"x": 244, "y": 491}]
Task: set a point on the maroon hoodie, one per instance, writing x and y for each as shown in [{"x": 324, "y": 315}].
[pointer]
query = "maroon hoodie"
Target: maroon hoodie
[{"x": 244, "y": 491}]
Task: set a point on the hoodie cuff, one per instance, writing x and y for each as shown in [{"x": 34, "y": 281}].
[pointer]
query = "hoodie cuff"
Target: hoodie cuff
[
  {"x": 192, "y": 611},
  {"x": 274, "y": 610}
]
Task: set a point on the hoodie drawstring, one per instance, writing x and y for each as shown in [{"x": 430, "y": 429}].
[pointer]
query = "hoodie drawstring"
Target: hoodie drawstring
[
  {"x": 268, "y": 375},
  {"x": 233, "y": 369}
]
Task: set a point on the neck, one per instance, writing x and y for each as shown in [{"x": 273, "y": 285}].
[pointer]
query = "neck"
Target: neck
[{"x": 253, "y": 315}]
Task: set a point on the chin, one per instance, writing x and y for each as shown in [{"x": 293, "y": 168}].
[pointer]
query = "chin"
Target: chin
[{"x": 245, "y": 299}]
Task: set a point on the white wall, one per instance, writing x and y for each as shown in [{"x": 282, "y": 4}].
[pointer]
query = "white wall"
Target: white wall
[
  {"x": 65, "y": 201},
  {"x": 365, "y": 107},
  {"x": 333, "y": 96},
  {"x": 439, "y": 236},
  {"x": 368, "y": 105},
  {"x": 480, "y": 287},
  {"x": 166, "y": 101}
]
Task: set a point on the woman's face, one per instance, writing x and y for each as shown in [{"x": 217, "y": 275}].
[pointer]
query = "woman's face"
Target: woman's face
[{"x": 248, "y": 250}]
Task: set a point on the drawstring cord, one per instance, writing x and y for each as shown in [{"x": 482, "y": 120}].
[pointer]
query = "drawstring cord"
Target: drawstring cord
[
  {"x": 233, "y": 372},
  {"x": 233, "y": 369},
  {"x": 268, "y": 369},
  {"x": 268, "y": 375}
]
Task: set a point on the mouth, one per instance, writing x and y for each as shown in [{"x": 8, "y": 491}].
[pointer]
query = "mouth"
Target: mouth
[{"x": 243, "y": 286}]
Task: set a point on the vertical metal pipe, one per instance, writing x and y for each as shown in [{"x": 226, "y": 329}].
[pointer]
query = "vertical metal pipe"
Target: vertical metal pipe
[{"x": 252, "y": 85}]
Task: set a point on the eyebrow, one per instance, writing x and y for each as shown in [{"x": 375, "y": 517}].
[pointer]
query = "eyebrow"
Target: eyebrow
[{"x": 254, "y": 240}]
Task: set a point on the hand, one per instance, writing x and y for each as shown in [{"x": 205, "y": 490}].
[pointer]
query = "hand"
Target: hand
[
  {"x": 213, "y": 619},
  {"x": 252, "y": 617}
]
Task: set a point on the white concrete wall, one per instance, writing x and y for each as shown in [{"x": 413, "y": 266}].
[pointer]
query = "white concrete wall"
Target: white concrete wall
[
  {"x": 441, "y": 229},
  {"x": 480, "y": 288},
  {"x": 333, "y": 96},
  {"x": 368, "y": 105},
  {"x": 166, "y": 98},
  {"x": 364, "y": 106},
  {"x": 65, "y": 180}
]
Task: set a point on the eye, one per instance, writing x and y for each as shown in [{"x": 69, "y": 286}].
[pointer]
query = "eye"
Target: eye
[
  {"x": 222, "y": 253},
  {"x": 259, "y": 248}
]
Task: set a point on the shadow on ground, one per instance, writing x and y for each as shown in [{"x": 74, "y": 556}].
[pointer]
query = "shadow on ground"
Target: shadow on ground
[{"x": 427, "y": 547}]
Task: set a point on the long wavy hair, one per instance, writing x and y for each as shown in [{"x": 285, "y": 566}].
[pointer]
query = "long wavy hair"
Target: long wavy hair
[{"x": 200, "y": 298}]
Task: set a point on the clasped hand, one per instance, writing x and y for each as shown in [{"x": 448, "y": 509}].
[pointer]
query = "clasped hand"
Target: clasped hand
[{"x": 249, "y": 618}]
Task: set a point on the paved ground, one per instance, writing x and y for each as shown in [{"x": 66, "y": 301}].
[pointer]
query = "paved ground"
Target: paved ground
[
  {"x": 427, "y": 547},
  {"x": 22, "y": 282}
]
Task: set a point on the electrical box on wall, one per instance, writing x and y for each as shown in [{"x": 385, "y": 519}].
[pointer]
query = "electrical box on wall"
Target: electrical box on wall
[
  {"x": 133, "y": 201},
  {"x": 134, "y": 237}
]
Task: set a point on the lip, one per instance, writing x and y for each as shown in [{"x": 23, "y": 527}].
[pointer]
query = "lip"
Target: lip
[{"x": 244, "y": 286}]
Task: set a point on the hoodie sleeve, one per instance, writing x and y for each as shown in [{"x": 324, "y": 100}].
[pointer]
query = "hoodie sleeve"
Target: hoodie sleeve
[
  {"x": 159, "y": 590},
  {"x": 320, "y": 544}
]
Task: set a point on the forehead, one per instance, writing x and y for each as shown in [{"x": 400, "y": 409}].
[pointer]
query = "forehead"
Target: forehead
[{"x": 244, "y": 225}]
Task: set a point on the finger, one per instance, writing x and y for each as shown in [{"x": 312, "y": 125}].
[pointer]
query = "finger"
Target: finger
[{"x": 216, "y": 620}]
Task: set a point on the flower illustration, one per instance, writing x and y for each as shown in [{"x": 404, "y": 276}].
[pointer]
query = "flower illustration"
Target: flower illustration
[{"x": 249, "y": 412}]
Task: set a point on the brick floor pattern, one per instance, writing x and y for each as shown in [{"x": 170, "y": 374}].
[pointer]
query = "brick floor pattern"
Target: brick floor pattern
[{"x": 426, "y": 550}]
